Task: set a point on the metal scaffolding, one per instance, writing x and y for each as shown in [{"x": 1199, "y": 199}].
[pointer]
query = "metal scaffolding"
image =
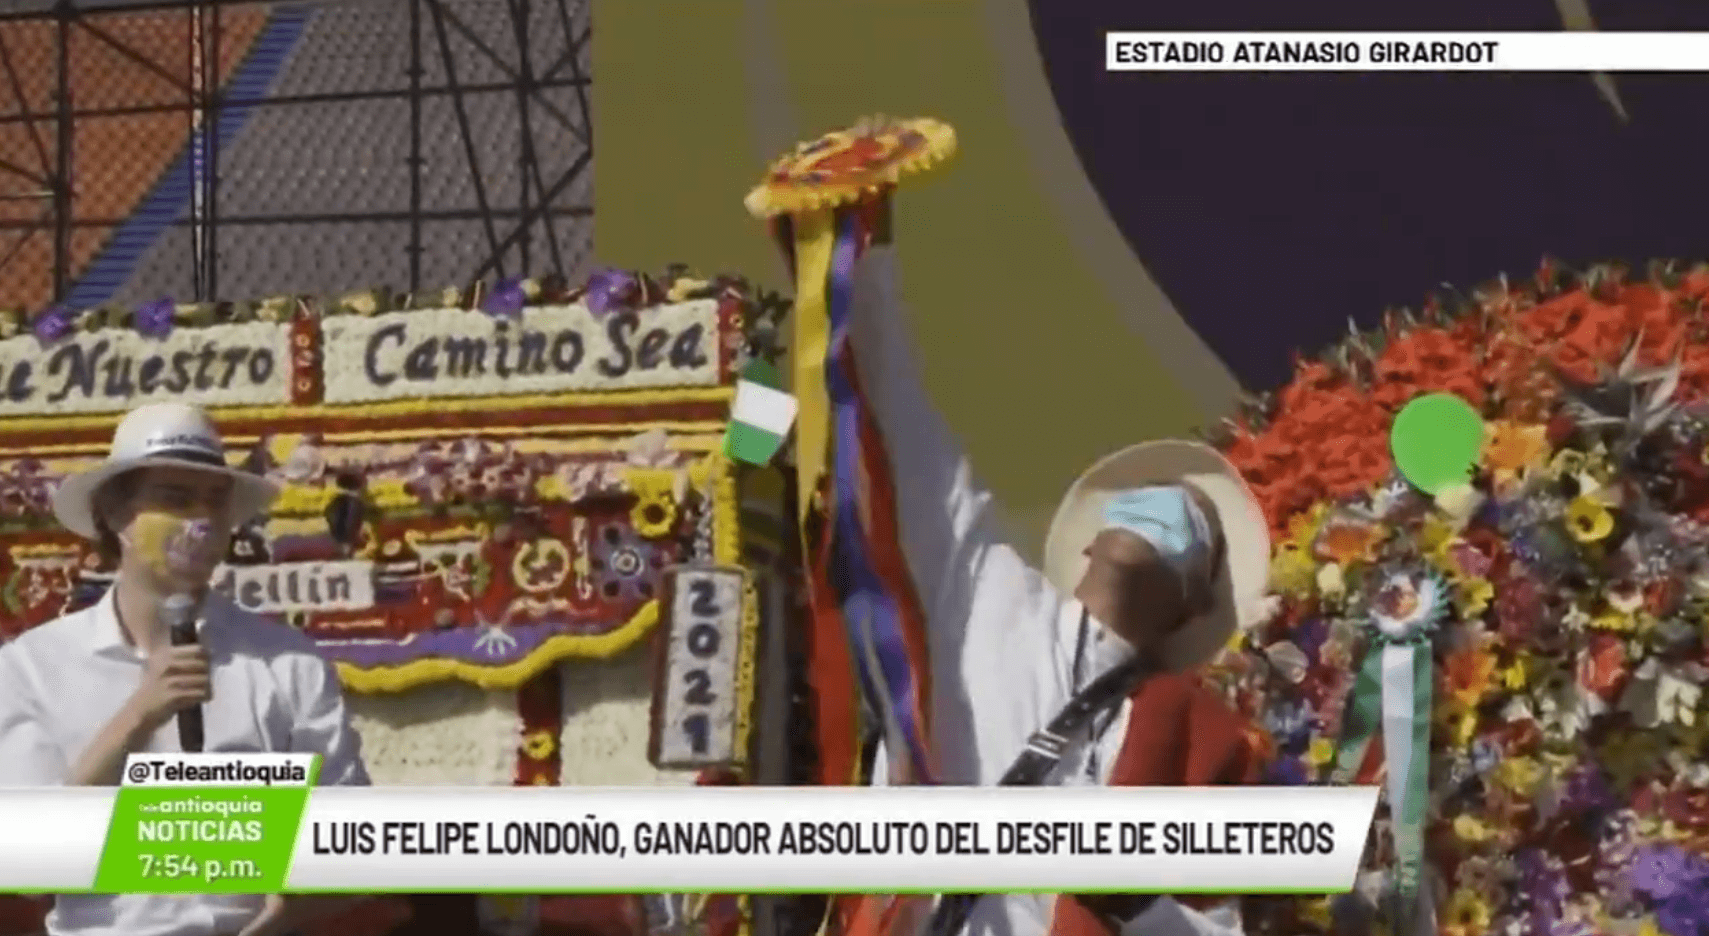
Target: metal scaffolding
[{"x": 517, "y": 234}]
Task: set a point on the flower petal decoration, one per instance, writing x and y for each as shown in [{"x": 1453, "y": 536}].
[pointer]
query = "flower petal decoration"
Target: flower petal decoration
[
  {"x": 847, "y": 165},
  {"x": 612, "y": 291},
  {"x": 54, "y": 324},
  {"x": 506, "y": 300},
  {"x": 155, "y": 319}
]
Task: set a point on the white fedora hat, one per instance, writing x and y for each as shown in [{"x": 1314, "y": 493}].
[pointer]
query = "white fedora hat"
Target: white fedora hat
[
  {"x": 1238, "y": 593},
  {"x": 175, "y": 435}
]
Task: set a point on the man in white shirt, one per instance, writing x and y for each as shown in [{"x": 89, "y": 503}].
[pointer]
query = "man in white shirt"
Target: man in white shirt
[
  {"x": 81, "y": 692},
  {"x": 1159, "y": 552}
]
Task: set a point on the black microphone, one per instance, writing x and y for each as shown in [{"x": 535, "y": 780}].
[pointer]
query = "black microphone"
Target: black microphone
[{"x": 178, "y": 612}]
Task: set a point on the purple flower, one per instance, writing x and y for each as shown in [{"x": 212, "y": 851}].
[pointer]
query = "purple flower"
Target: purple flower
[
  {"x": 1286, "y": 771},
  {"x": 1666, "y": 872},
  {"x": 609, "y": 291},
  {"x": 1310, "y": 635},
  {"x": 1587, "y": 791},
  {"x": 155, "y": 319},
  {"x": 624, "y": 564},
  {"x": 1687, "y": 914},
  {"x": 1544, "y": 885},
  {"x": 506, "y": 300},
  {"x": 54, "y": 324},
  {"x": 1291, "y": 724},
  {"x": 1677, "y": 883},
  {"x": 1486, "y": 754}
]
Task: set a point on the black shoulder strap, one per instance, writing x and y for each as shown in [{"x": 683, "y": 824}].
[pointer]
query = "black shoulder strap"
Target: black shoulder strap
[{"x": 1044, "y": 751}]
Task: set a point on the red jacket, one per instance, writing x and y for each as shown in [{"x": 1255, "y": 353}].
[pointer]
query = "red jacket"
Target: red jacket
[{"x": 1180, "y": 734}]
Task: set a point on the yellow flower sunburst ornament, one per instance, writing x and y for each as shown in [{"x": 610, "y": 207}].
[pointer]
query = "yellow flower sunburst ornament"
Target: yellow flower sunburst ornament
[
  {"x": 844, "y": 166},
  {"x": 539, "y": 745},
  {"x": 654, "y": 516}
]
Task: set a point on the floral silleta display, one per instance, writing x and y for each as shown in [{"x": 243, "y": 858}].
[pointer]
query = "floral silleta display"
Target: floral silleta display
[{"x": 1561, "y": 596}]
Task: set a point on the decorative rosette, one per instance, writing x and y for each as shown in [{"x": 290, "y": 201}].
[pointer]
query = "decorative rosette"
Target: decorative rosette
[
  {"x": 1408, "y": 605},
  {"x": 845, "y": 166},
  {"x": 1532, "y": 648}
]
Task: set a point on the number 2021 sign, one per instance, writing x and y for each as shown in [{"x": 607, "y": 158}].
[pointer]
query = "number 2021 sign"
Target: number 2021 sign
[{"x": 695, "y": 704}]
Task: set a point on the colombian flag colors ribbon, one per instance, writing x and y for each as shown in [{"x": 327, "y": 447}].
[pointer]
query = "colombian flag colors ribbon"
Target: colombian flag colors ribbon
[{"x": 823, "y": 201}]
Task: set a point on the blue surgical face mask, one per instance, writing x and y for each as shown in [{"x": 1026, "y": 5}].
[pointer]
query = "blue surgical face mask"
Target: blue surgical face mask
[{"x": 1171, "y": 521}]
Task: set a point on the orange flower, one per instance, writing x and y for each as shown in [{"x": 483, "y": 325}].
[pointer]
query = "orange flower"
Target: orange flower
[
  {"x": 1603, "y": 671},
  {"x": 1512, "y": 450},
  {"x": 1467, "y": 675},
  {"x": 1344, "y": 540}
]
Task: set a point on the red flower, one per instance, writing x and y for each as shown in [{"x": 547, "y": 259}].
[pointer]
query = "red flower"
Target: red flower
[
  {"x": 1603, "y": 670},
  {"x": 1329, "y": 433},
  {"x": 1687, "y": 808},
  {"x": 1518, "y": 607}
]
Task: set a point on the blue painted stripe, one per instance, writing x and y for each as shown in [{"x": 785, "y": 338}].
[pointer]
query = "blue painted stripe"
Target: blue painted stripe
[{"x": 118, "y": 260}]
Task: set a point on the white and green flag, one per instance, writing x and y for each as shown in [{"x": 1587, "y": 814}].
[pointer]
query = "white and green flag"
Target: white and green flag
[{"x": 761, "y": 417}]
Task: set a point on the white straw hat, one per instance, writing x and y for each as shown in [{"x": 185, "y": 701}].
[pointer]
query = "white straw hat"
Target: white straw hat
[
  {"x": 175, "y": 435},
  {"x": 1238, "y": 592}
]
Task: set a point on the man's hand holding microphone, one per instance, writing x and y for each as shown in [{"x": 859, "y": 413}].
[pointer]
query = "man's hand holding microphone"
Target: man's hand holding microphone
[{"x": 177, "y": 680}]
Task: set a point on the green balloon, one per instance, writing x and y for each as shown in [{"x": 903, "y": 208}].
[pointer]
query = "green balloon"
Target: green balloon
[{"x": 1436, "y": 441}]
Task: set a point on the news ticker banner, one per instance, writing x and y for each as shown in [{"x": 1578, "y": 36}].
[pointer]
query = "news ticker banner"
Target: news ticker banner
[
  {"x": 255, "y": 823},
  {"x": 1407, "y": 51}
]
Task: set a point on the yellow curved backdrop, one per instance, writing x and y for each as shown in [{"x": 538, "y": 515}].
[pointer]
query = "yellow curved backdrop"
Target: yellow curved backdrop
[{"x": 1027, "y": 351}]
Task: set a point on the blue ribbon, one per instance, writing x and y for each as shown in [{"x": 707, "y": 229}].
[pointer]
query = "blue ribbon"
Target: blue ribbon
[{"x": 874, "y": 622}]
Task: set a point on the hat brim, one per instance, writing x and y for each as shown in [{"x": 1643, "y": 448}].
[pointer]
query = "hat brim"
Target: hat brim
[
  {"x": 74, "y": 500},
  {"x": 1238, "y": 595}
]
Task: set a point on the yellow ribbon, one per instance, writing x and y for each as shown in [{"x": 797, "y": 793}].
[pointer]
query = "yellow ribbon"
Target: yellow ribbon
[{"x": 814, "y": 235}]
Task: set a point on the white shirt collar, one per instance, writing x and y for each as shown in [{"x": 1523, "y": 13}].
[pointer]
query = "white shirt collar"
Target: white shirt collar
[{"x": 106, "y": 636}]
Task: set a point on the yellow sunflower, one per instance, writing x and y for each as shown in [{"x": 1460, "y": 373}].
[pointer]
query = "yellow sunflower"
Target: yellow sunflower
[
  {"x": 539, "y": 745},
  {"x": 1588, "y": 519},
  {"x": 1292, "y": 571},
  {"x": 1467, "y": 915}
]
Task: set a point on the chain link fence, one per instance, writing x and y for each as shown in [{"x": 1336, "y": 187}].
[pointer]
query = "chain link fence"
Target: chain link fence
[{"x": 221, "y": 150}]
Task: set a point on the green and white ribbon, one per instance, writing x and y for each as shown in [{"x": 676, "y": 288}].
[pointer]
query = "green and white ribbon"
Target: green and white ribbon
[
  {"x": 1394, "y": 689},
  {"x": 760, "y": 418}
]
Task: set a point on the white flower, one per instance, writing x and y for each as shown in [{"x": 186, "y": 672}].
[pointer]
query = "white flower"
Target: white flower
[
  {"x": 1691, "y": 773},
  {"x": 306, "y": 463},
  {"x": 651, "y": 449},
  {"x": 1459, "y": 502},
  {"x": 1677, "y": 696},
  {"x": 1517, "y": 709},
  {"x": 1289, "y": 660},
  {"x": 361, "y": 303},
  {"x": 1567, "y": 711},
  {"x": 580, "y": 480},
  {"x": 1330, "y": 582},
  {"x": 1389, "y": 498},
  {"x": 1266, "y": 608}
]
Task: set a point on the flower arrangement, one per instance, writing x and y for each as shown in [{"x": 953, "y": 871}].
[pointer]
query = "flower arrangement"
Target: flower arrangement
[
  {"x": 762, "y": 312},
  {"x": 1561, "y": 594}
]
